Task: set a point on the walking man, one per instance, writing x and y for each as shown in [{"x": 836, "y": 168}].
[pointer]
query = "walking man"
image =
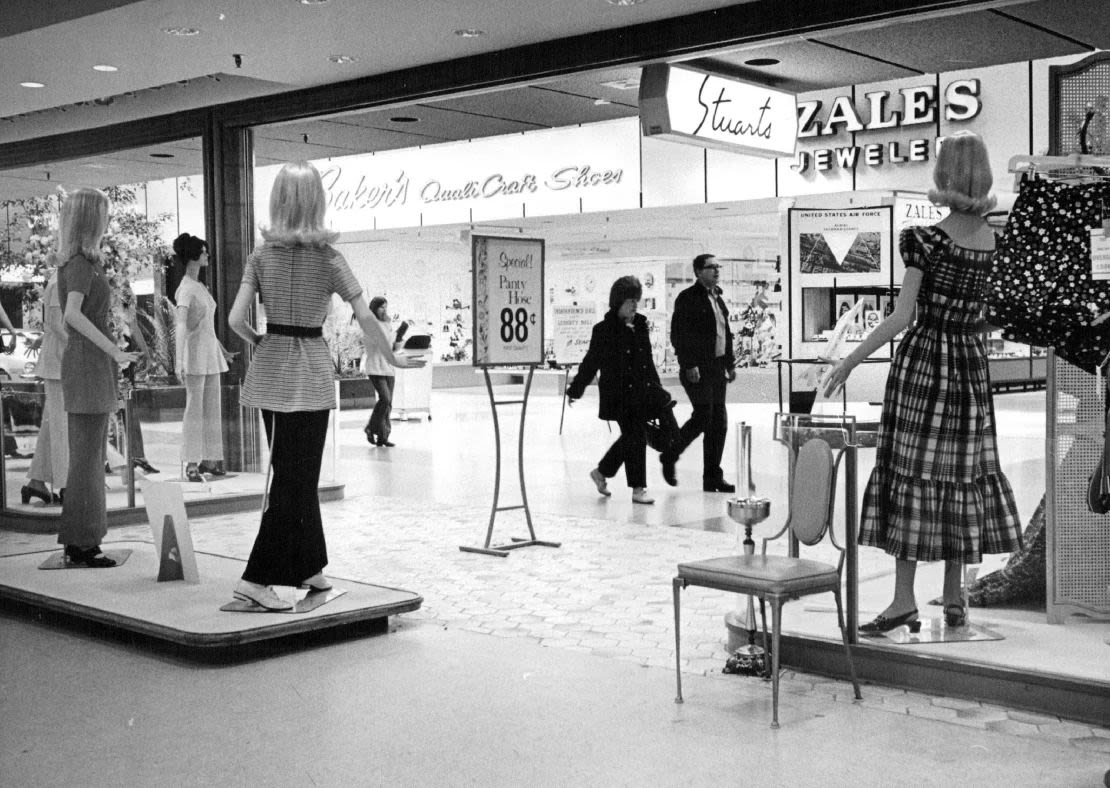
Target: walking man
[{"x": 703, "y": 343}]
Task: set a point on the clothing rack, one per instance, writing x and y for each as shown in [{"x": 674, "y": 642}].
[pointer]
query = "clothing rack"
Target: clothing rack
[{"x": 1075, "y": 166}]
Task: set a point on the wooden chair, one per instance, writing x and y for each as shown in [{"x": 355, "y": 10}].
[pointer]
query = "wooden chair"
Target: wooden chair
[{"x": 778, "y": 579}]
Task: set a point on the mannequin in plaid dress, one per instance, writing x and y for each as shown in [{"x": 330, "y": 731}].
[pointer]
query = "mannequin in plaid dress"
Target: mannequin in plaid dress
[{"x": 937, "y": 492}]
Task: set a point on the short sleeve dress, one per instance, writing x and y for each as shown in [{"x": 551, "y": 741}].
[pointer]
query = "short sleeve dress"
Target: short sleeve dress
[
  {"x": 89, "y": 375},
  {"x": 937, "y": 491},
  {"x": 202, "y": 348},
  {"x": 295, "y": 284}
]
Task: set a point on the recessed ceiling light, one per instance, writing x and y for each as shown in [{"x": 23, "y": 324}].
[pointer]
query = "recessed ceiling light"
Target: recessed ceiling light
[
  {"x": 404, "y": 119},
  {"x": 32, "y": 84},
  {"x": 601, "y": 102},
  {"x": 629, "y": 83},
  {"x": 161, "y": 155},
  {"x": 105, "y": 67},
  {"x": 313, "y": 2},
  {"x": 625, "y": 2},
  {"x": 341, "y": 59},
  {"x": 470, "y": 32},
  {"x": 761, "y": 62},
  {"x": 181, "y": 31}
]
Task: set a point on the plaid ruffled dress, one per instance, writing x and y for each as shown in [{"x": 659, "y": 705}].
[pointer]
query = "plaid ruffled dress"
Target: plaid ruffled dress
[{"x": 937, "y": 491}]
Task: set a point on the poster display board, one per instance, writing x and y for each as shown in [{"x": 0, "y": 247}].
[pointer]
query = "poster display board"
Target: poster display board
[
  {"x": 572, "y": 326},
  {"x": 850, "y": 246},
  {"x": 508, "y": 300}
]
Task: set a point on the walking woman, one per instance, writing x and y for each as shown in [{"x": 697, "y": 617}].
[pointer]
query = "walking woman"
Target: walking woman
[
  {"x": 198, "y": 361},
  {"x": 937, "y": 492},
  {"x": 380, "y": 371},
  {"x": 629, "y": 390},
  {"x": 89, "y": 374},
  {"x": 291, "y": 378}
]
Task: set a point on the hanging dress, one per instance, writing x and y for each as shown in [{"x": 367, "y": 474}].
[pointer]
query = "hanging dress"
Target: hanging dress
[
  {"x": 1041, "y": 290},
  {"x": 937, "y": 491}
]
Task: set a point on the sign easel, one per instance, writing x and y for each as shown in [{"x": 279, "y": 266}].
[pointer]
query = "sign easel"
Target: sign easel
[
  {"x": 573, "y": 327},
  {"x": 508, "y": 331}
]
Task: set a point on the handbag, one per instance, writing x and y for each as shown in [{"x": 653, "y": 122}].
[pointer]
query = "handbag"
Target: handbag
[
  {"x": 657, "y": 401},
  {"x": 1098, "y": 486}
]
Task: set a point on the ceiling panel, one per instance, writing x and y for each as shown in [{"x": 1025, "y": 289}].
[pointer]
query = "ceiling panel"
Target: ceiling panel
[
  {"x": 618, "y": 85},
  {"x": 538, "y": 107},
  {"x": 946, "y": 43},
  {"x": 1084, "y": 20},
  {"x": 805, "y": 65},
  {"x": 344, "y": 134}
]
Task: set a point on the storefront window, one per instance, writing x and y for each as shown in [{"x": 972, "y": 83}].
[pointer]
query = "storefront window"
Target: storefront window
[{"x": 156, "y": 196}]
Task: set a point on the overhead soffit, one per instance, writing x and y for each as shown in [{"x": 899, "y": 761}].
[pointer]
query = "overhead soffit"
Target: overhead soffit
[
  {"x": 973, "y": 40},
  {"x": 806, "y": 65},
  {"x": 1087, "y": 21}
]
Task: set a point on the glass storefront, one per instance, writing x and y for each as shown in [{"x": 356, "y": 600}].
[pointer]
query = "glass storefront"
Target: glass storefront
[{"x": 156, "y": 195}]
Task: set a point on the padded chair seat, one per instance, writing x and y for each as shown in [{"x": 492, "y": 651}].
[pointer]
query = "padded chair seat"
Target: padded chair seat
[{"x": 761, "y": 574}]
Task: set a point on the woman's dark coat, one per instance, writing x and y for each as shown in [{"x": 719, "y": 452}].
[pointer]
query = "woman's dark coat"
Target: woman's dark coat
[{"x": 627, "y": 369}]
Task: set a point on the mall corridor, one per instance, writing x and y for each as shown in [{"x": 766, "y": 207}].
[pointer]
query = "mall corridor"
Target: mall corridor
[{"x": 549, "y": 667}]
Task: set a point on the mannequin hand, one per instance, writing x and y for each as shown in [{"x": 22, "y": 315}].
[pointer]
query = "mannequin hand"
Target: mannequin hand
[
  {"x": 693, "y": 375},
  {"x": 731, "y": 374},
  {"x": 836, "y": 377},
  {"x": 123, "y": 358},
  {"x": 228, "y": 355},
  {"x": 410, "y": 362},
  {"x": 179, "y": 372}
]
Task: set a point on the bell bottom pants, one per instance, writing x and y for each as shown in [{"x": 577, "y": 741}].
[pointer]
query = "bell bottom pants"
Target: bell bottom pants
[
  {"x": 84, "y": 520},
  {"x": 202, "y": 428},
  {"x": 290, "y": 544},
  {"x": 51, "y": 461}
]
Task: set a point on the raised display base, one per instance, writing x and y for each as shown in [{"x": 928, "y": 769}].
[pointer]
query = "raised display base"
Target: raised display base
[{"x": 187, "y": 615}]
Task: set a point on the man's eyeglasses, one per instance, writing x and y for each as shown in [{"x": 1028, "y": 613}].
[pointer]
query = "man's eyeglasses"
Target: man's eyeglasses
[{"x": 714, "y": 266}]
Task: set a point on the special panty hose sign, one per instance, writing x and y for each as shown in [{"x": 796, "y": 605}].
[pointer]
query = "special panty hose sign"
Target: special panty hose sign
[{"x": 508, "y": 300}]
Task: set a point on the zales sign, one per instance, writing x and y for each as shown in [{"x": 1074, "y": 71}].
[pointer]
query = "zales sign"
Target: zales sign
[
  {"x": 708, "y": 110},
  {"x": 920, "y": 106}
]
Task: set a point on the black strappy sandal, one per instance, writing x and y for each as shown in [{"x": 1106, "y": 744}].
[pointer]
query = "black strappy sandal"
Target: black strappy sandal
[
  {"x": 955, "y": 615},
  {"x": 92, "y": 557}
]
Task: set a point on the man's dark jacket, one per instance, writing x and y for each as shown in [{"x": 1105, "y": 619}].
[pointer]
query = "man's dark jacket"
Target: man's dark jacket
[
  {"x": 627, "y": 369},
  {"x": 694, "y": 330}
]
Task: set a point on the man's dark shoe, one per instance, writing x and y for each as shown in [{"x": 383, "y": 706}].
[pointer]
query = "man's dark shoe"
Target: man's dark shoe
[
  {"x": 718, "y": 486},
  {"x": 668, "y": 470}
]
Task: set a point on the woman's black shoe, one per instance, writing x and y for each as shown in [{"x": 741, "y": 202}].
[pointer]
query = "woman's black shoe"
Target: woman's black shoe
[
  {"x": 216, "y": 469},
  {"x": 27, "y": 493},
  {"x": 385, "y": 442},
  {"x": 371, "y": 438},
  {"x": 143, "y": 465},
  {"x": 60, "y": 496},
  {"x": 881, "y": 624},
  {"x": 92, "y": 557},
  {"x": 955, "y": 615}
]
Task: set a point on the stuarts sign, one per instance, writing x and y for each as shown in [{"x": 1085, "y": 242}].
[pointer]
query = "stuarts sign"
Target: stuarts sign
[
  {"x": 710, "y": 110},
  {"x": 920, "y": 106}
]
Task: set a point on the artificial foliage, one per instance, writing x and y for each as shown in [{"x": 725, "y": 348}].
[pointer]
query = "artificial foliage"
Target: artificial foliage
[{"x": 130, "y": 248}]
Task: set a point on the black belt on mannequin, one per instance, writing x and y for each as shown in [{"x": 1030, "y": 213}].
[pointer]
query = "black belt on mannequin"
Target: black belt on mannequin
[{"x": 294, "y": 331}]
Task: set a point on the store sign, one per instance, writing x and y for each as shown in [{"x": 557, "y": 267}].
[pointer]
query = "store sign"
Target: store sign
[
  {"x": 573, "y": 328},
  {"x": 915, "y": 212},
  {"x": 705, "y": 109},
  {"x": 543, "y": 171},
  {"x": 508, "y": 300},
  {"x": 921, "y": 105}
]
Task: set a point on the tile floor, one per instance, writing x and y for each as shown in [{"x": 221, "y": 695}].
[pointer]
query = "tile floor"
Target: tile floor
[{"x": 595, "y": 613}]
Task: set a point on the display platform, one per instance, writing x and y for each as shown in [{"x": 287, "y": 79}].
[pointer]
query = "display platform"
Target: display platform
[{"x": 185, "y": 615}]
